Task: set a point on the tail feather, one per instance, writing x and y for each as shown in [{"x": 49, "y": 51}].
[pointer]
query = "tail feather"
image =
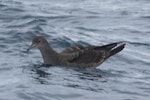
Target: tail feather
[
  {"x": 117, "y": 49},
  {"x": 108, "y": 47}
]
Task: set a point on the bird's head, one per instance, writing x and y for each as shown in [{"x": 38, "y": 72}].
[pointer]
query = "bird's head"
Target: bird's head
[{"x": 38, "y": 42}]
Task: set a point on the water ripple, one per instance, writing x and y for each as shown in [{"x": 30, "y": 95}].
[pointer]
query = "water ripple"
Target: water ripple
[{"x": 124, "y": 76}]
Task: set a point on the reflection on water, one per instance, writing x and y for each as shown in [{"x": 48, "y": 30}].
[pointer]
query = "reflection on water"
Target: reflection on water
[{"x": 65, "y": 23}]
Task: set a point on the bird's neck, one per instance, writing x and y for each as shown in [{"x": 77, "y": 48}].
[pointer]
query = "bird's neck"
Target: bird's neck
[{"x": 49, "y": 55}]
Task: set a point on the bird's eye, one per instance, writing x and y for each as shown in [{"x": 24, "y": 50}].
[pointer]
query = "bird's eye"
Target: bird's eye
[{"x": 39, "y": 41}]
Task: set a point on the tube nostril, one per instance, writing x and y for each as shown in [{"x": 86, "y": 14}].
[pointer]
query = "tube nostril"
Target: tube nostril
[{"x": 39, "y": 41}]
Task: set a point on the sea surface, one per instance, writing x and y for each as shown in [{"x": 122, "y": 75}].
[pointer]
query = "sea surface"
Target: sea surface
[{"x": 64, "y": 23}]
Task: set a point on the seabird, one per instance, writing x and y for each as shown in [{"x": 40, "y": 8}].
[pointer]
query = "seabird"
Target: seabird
[{"x": 76, "y": 56}]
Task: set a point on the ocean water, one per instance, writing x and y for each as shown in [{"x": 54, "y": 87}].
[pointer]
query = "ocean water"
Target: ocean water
[{"x": 125, "y": 76}]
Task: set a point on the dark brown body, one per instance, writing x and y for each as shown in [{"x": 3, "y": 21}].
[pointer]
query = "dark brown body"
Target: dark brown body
[{"x": 76, "y": 56}]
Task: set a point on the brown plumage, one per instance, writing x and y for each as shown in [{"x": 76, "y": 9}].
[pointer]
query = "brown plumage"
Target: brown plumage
[{"x": 76, "y": 56}]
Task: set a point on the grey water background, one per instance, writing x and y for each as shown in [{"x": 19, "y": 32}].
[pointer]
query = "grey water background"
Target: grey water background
[{"x": 125, "y": 76}]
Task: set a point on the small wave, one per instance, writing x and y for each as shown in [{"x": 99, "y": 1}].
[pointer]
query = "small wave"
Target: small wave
[
  {"x": 47, "y": 17},
  {"x": 3, "y": 5},
  {"x": 88, "y": 29},
  {"x": 138, "y": 43},
  {"x": 27, "y": 23},
  {"x": 16, "y": 10},
  {"x": 129, "y": 92},
  {"x": 63, "y": 42},
  {"x": 145, "y": 17}
]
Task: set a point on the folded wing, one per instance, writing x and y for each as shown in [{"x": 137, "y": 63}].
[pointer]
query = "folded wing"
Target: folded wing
[{"x": 90, "y": 56}]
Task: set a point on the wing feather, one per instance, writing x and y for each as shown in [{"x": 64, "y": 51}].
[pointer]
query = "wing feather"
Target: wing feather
[
  {"x": 72, "y": 52},
  {"x": 73, "y": 49},
  {"x": 89, "y": 56}
]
